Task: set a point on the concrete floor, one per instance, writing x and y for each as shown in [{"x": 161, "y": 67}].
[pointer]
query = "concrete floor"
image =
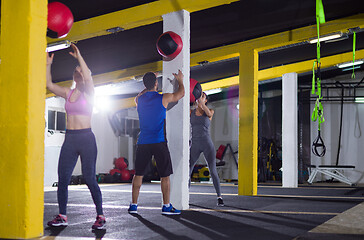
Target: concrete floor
[{"x": 308, "y": 212}]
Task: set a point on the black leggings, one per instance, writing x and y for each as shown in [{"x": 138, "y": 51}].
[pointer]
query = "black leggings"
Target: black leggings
[{"x": 78, "y": 143}]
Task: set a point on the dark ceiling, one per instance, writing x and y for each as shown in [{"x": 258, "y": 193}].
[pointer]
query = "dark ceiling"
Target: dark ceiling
[{"x": 210, "y": 28}]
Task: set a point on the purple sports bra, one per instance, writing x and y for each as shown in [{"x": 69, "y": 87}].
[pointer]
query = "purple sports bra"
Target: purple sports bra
[{"x": 79, "y": 107}]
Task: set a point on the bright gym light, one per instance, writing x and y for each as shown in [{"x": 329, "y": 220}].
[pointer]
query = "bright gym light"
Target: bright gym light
[
  {"x": 350, "y": 64},
  {"x": 213, "y": 91},
  {"x": 58, "y": 46},
  {"x": 123, "y": 87},
  {"x": 326, "y": 38},
  {"x": 103, "y": 90},
  {"x": 102, "y": 104},
  {"x": 359, "y": 99}
]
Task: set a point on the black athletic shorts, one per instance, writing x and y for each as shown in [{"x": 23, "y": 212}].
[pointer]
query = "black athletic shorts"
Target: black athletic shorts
[{"x": 144, "y": 153}]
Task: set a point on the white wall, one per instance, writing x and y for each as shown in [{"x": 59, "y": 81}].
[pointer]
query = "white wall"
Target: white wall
[
  {"x": 127, "y": 150},
  {"x": 51, "y": 154},
  {"x": 52, "y": 143},
  {"x": 225, "y": 129},
  {"x": 107, "y": 143},
  {"x": 352, "y": 138}
]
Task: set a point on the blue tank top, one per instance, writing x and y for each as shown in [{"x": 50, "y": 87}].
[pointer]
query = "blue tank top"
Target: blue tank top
[{"x": 152, "y": 116}]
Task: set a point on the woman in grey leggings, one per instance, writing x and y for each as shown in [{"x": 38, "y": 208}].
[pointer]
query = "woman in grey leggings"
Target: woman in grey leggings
[{"x": 201, "y": 142}]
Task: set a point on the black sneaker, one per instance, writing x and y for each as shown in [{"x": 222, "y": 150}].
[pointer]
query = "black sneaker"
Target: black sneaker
[{"x": 220, "y": 202}]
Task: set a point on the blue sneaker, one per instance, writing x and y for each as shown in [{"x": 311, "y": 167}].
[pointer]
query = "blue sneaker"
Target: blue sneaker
[
  {"x": 133, "y": 208},
  {"x": 170, "y": 210}
]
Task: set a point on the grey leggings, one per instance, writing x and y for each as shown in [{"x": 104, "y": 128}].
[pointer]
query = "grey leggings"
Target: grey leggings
[
  {"x": 78, "y": 143},
  {"x": 206, "y": 146}
]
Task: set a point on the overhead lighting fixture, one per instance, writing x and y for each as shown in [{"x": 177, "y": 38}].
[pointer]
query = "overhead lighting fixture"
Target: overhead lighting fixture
[
  {"x": 213, "y": 91},
  {"x": 350, "y": 68},
  {"x": 359, "y": 99},
  {"x": 58, "y": 46},
  {"x": 103, "y": 90},
  {"x": 350, "y": 64},
  {"x": 326, "y": 37}
]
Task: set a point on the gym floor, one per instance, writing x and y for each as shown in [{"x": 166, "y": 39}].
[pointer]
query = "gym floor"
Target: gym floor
[{"x": 320, "y": 211}]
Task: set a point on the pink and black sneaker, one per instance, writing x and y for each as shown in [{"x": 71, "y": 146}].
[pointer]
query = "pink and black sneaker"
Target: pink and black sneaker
[
  {"x": 99, "y": 223},
  {"x": 58, "y": 221}
]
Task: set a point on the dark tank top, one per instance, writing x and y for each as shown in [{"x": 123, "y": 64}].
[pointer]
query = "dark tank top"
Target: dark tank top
[{"x": 200, "y": 126}]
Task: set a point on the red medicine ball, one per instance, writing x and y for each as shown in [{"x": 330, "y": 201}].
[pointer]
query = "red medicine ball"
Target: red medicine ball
[
  {"x": 125, "y": 175},
  {"x": 120, "y": 163},
  {"x": 115, "y": 171},
  {"x": 195, "y": 90},
  {"x": 60, "y": 20},
  {"x": 169, "y": 45}
]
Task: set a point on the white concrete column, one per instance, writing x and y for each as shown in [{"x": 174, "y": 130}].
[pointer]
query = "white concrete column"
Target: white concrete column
[
  {"x": 289, "y": 130},
  {"x": 177, "y": 120}
]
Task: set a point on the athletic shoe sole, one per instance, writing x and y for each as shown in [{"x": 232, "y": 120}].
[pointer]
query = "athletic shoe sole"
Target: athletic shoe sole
[
  {"x": 58, "y": 225},
  {"x": 98, "y": 228},
  {"x": 133, "y": 212},
  {"x": 170, "y": 213}
]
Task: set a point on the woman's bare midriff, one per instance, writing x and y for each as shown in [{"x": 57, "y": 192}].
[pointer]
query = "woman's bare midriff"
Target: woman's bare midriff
[{"x": 75, "y": 122}]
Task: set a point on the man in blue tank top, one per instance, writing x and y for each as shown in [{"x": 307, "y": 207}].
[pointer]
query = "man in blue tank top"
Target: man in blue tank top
[{"x": 152, "y": 141}]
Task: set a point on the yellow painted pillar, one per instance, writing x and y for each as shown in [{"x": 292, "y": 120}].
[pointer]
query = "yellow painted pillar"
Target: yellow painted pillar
[
  {"x": 22, "y": 103},
  {"x": 248, "y": 122}
]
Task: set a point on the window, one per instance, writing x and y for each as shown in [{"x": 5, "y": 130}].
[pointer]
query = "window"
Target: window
[
  {"x": 124, "y": 126},
  {"x": 51, "y": 120},
  {"x": 61, "y": 121},
  {"x": 56, "y": 121}
]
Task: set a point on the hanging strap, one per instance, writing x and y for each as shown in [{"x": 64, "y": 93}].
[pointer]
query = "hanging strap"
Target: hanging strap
[
  {"x": 321, "y": 118},
  {"x": 315, "y": 112},
  {"x": 318, "y": 93},
  {"x": 318, "y": 113},
  {"x": 318, "y": 146},
  {"x": 320, "y": 19},
  {"x": 320, "y": 13},
  {"x": 318, "y": 41},
  {"x": 313, "y": 78},
  {"x": 354, "y": 46}
]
